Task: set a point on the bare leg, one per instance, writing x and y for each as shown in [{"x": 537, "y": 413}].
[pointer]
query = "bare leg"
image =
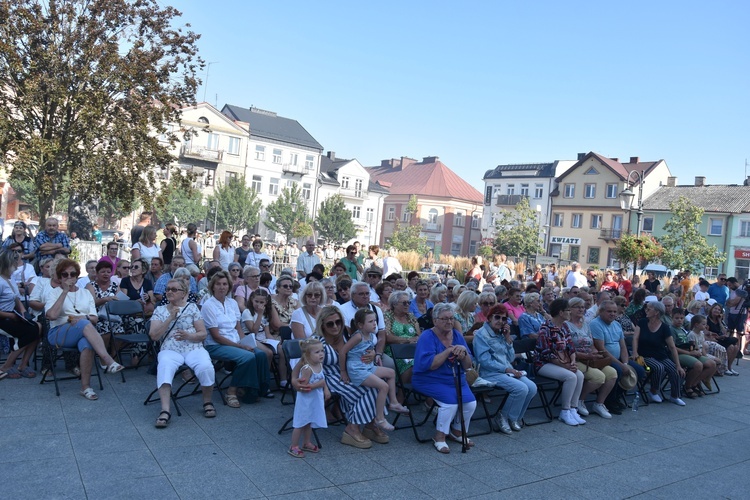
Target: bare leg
[
  {"x": 376, "y": 383},
  {"x": 389, "y": 375},
  {"x": 604, "y": 390},
  {"x": 307, "y": 435},
  {"x": 98, "y": 344},
  {"x": 165, "y": 396},
  {"x": 694, "y": 375},
  {"x": 208, "y": 391},
  {"x": 588, "y": 387},
  {"x": 28, "y": 351},
  {"x": 731, "y": 354},
  {"x": 12, "y": 357},
  {"x": 86, "y": 363}
]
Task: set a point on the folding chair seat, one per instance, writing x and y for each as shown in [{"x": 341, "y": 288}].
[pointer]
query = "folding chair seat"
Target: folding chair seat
[
  {"x": 405, "y": 352},
  {"x": 134, "y": 335},
  {"x": 544, "y": 386},
  {"x": 292, "y": 351}
]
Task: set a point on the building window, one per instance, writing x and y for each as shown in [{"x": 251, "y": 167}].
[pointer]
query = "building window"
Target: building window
[
  {"x": 455, "y": 249},
  {"x": 370, "y": 215},
  {"x": 557, "y": 220},
  {"x": 432, "y": 216},
  {"x": 391, "y": 215},
  {"x": 306, "y": 190},
  {"x": 576, "y": 221},
  {"x": 472, "y": 247},
  {"x": 293, "y": 158},
  {"x": 273, "y": 188},
  {"x": 538, "y": 191},
  {"x": 742, "y": 269},
  {"x": 356, "y": 212},
  {"x": 745, "y": 229},
  {"x": 290, "y": 183},
  {"x": 458, "y": 219},
  {"x": 648, "y": 224},
  {"x": 309, "y": 162},
  {"x": 260, "y": 153},
  {"x": 488, "y": 195},
  {"x": 213, "y": 142},
  {"x": 208, "y": 179},
  {"x": 475, "y": 222},
  {"x": 234, "y": 146},
  {"x": 711, "y": 272},
  {"x": 524, "y": 189},
  {"x": 715, "y": 227},
  {"x": 345, "y": 182},
  {"x": 257, "y": 183},
  {"x": 593, "y": 257},
  {"x": 611, "y": 191},
  {"x": 511, "y": 190},
  {"x": 228, "y": 176},
  {"x": 596, "y": 221},
  {"x": 569, "y": 191},
  {"x": 405, "y": 216},
  {"x": 575, "y": 252},
  {"x": 358, "y": 187},
  {"x": 277, "y": 156},
  {"x": 589, "y": 190}
]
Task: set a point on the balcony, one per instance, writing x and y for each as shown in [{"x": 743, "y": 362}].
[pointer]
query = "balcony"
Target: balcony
[
  {"x": 357, "y": 194},
  {"x": 201, "y": 153},
  {"x": 509, "y": 200},
  {"x": 611, "y": 234},
  {"x": 433, "y": 227},
  {"x": 290, "y": 169}
]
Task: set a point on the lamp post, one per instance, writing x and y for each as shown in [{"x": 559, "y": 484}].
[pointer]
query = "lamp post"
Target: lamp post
[{"x": 626, "y": 199}]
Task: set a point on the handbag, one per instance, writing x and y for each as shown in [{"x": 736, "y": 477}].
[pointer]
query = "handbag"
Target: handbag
[
  {"x": 471, "y": 375},
  {"x": 598, "y": 363}
]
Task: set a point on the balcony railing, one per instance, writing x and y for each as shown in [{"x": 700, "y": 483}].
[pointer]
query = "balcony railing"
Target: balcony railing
[
  {"x": 432, "y": 226},
  {"x": 609, "y": 234},
  {"x": 288, "y": 168},
  {"x": 509, "y": 200},
  {"x": 353, "y": 193},
  {"x": 201, "y": 153}
]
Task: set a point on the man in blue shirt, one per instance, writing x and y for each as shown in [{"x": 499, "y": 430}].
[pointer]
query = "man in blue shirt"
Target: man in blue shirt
[
  {"x": 608, "y": 337},
  {"x": 51, "y": 242},
  {"x": 160, "y": 286},
  {"x": 719, "y": 291}
]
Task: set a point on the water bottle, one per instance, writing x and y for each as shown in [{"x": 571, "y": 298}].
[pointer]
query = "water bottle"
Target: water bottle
[{"x": 636, "y": 400}]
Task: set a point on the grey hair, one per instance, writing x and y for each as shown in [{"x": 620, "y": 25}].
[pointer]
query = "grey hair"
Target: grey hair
[
  {"x": 441, "y": 307},
  {"x": 182, "y": 273},
  {"x": 359, "y": 284},
  {"x": 192, "y": 269},
  {"x": 396, "y": 297},
  {"x": 529, "y": 298},
  {"x": 658, "y": 306},
  {"x": 248, "y": 269},
  {"x": 576, "y": 301},
  {"x": 435, "y": 292},
  {"x": 452, "y": 282}
]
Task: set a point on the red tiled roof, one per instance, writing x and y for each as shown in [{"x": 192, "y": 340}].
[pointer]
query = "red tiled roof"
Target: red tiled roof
[
  {"x": 427, "y": 179},
  {"x": 621, "y": 169}
]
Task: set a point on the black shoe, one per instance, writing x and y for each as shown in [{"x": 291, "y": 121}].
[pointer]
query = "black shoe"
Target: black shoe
[
  {"x": 614, "y": 410},
  {"x": 739, "y": 355}
]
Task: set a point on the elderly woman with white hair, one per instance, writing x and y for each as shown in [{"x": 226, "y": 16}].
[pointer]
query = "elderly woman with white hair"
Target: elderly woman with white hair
[
  {"x": 438, "y": 293},
  {"x": 463, "y": 319},
  {"x": 438, "y": 351},
  {"x": 451, "y": 284},
  {"x": 532, "y": 319},
  {"x": 391, "y": 263}
]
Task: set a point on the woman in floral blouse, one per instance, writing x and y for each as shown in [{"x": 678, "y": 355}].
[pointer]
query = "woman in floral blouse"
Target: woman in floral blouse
[{"x": 401, "y": 327}]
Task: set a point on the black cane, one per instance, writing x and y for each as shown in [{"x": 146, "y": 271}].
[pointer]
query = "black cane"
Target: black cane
[{"x": 459, "y": 393}]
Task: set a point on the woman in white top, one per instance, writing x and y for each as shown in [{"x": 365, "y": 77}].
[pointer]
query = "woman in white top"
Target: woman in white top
[
  {"x": 254, "y": 257},
  {"x": 72, "y": 316},
  {"x": 146, "y": 247},
  {"x": 391, "y": 264},
  {"x": 223, "y": 251},
  {"x": 305, "y": 318},
  {"x": 224, "y": 342},
  {"x": 189, "y": 248}
]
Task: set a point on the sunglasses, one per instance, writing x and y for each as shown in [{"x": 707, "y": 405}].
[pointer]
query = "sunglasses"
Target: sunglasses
[
  {"x": 265, "y": 265},
  {"x": 315, "y": 295},
  {"x": 68, "y": 275},
  {"x": 405, "y": 303},
  {"x": 135, "y": 268},
  {"x": 285, "y": 286},
  {"x": 496, "y": 317},
  {"x": 254, "y": 276},
  {"x": 172, "y": 289},
  {"x": 487, "y": 303},
  {"x": 373, "y": 275},
  {"x": 331, "y": 324},
  {"x": 235, "y": 270}
]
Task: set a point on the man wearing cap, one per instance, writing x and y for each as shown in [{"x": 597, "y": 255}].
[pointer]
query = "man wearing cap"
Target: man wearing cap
[
  {"x": 307, "y": 260},
  {"x": 373, "y": 276},
  {"x": 719, "y": 291},
  {"x": 608, "y": 337}
]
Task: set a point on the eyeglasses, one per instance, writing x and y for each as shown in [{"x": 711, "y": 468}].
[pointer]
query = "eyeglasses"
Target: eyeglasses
[
  {"x": 330, "y": 287},
  {"x": 265, "y": 265},
  {"x": 487, "y": 304},
  {"x": 173, "y": 289},
  {"x": 235, "y": 270},
  {"x": 254, "y": 276},
  {"x": 373, "y": 275},
  {"x": 449, "y": 318},
  {"x": 331, "y": 324},
  {"x": 405, "y": 303},
  {"x": 574, "y": 292},
  {"x": 68, "y": 275},
  {"x": 315, "y": 295},
  {"x": 363, "y": 294},
  {"x": 285, "y": 286}
]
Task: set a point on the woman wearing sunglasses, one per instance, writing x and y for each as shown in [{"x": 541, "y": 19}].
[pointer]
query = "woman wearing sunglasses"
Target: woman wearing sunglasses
[
  {"x": 72, "y": 316},
  {"x": 305, "y": 318}
]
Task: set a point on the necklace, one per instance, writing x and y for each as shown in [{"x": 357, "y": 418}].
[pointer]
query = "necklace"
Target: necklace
[{"x": 73, "y": 299}]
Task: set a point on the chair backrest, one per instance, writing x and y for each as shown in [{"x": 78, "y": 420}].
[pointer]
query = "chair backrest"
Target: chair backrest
[
  {"x": 403, "y": 351},
  {"x": 124, "y": 307},
  {"x": 285, "y": 332},
  {"x": 292, "y": 349}
]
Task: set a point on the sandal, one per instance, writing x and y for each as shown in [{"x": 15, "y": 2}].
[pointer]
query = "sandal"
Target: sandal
[
  {"x": 162, "y": 422},
  {"x": 690, "y": 393},
  {"x": 115, "y": 367},
  {"x": 28, "y": 373},
  {"x": 208, "y": 410},
  {"x": 399, "y": 408},
  {"x": 14, "y": 373},
  {"x": 3, "y": 374},
  {"x": 441, "y": 446},
  {"x": 232, "y": 401},
  {"x": 458, "y": 439},
  {"x": 295, "y": 452},
  {"x": 310, "y": 447},
  {"x": 384, "y": 425},
  {"x": 89, "y": 394}
]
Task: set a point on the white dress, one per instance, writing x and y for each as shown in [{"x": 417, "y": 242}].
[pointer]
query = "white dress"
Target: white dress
[
  {"x": 226, "y": 257},
  {"x": 309, "y": 407}
]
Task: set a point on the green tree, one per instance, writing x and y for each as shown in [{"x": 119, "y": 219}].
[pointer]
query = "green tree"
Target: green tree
[
  {"x": 409, "y": 237},
  {"x": 684, "y": 246},
  {"x": 517, "y": 231},
  {"x": 180, "y": 201},
  {"x": 334, "y": 221},
  {"x": 635, "y": 249},
  {"x": 87, "y": 85},
  {"x": 238, "y": 205},
  {"x": 284, "y": 214}
]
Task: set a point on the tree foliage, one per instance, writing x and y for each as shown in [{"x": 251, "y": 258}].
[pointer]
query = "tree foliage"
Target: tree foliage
[
  {"x": 287, "y": 212},
  {"x": 517, "y": 231},
  {"x": 87, "y": 86},
  {"x": 238, "y": 205},
  {"x": 684, "y": 246},
  {"x": 409, "y": 237},
  {"x": 334, "y": 221},
  {"x": 179, "y": 201},
  {"x": 635, "y": 249}
]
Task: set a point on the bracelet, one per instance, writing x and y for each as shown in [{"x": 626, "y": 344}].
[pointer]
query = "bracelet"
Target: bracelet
[{"x": 378, "y": 354}]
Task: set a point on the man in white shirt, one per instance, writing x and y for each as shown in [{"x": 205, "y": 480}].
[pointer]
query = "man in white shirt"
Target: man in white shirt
[
  {"x": 592, "y": 311},
  {"x": 307, "y": 260},
  {"x": 360, "y": 294},
  {"x": 90, "y": 274},
  {"x": 575, "y": 278}
]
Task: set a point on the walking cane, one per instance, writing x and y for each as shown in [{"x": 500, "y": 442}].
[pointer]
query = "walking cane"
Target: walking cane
[{"x": 457, "y": 380}]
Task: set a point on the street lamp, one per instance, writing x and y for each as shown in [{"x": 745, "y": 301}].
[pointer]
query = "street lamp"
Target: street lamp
[{"x": 626, "y": 199}]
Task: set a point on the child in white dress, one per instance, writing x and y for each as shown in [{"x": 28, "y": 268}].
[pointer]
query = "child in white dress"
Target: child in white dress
[{"x": 309, "y": 381}]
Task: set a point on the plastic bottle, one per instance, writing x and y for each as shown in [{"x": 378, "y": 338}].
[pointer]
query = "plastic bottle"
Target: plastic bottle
[{"x": 636, "y": 400}]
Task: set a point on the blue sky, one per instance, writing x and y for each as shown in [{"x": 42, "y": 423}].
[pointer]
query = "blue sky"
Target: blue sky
[{"x": 486, "y": 83}]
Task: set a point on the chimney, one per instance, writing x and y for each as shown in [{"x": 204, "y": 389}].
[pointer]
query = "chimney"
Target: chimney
[
  {"x": 615, "y": 159},
  {"x": 581, "y": 156},
  {"x": 331, "y": 155},
  {"x": 671, "y": 181},
  {"x": 700, "y": 180},
  {"x": 430, "y": 159},
  {"x": 747, "y": 181},
  {"x": 634, "y": 159}
]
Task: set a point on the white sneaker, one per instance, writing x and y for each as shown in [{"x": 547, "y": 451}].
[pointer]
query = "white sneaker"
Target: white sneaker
[
  {"x": 582, "y": 410},
  {"x": 731, "y": 373},
  {"x": 567, "y": 417},
  {"x": 480, "y": 382},
  {"x": 601, "y": 410},
  {"x": 654, "y": 398},
  {"x": 577, "y": 417},
  {"x": 677, "y": 401}
]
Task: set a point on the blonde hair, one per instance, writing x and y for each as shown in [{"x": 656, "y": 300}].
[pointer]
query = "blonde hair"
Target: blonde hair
[{"x": 306, "y": 346}]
